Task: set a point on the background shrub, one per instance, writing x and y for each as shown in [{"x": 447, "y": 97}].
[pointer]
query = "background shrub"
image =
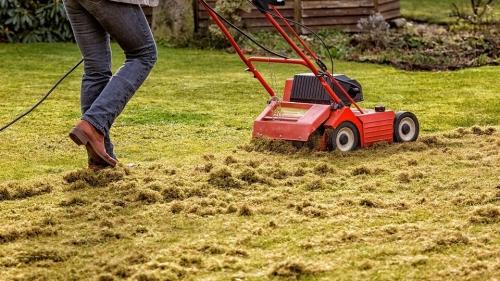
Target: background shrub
[
  {"x": 374, "y": 31},
  {"x": 480, "y": 12},
  {"x": 30, "y": 21},
  {"x": 213, "y": 37}
]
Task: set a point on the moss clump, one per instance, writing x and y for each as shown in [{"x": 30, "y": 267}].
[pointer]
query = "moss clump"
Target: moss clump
[
  {"x": 230, "y": 160},
  {"x": 279, "y": 174},
  {"x": 365, "y": 265},
  {"x": 78, "y": 185},
  {"x": 404, "y": 177},
  {"x": 16, "y": 191},
  {"x": 314, "y": 212},
  {"x": 155, "y": 185},
  {"x": 315, "y": 185},
  {"x": 349, "y": 236},
  {"x": 223, "y": 179},
  {"x": 41, "y": 255},
  {"x": 170, "y": 172},
  {"x": 250, "y": 176},
  {"x": 300, "y": 172},
  {"x": 193, "y": 208},
  {"x": 75, "y": 201},
  {"x": 461, "y": 131},
  {"x": 231, "y": 209},
  {"x": 485, "y": 215},
  {"x": 323, "y": 169},
  {"x": 10, "y": 235},
  {"x": 370, "y": 203},
  {"x": 412, "y": 162},
  {"x": 207, "y": 211},
  {"x": 450, "y": 239},
  {"x": 30, "y": 191},
  {"x": 238, "y": 253},
  {"x": 362, "y": 170},
  {"x": 4, "y": 193},
  {"x": 413, "y": 146},
  {"x": 176, "y": 207},
  {"x": 148, "y": 276},
  {"x": 119, "y": 203},
  {"x": 294, "y": 269},
  {"x": 171, "y": 193},
  {"x": 197, "y": 191},
  {"x": 137, "y": 258},
  {"x": 105, "y": 277},
  {"x": 490, "y": 131},
  {"x": 108, "y": 235},
  {"x": 245, "y": 211},
  {"x": 148, "y": 196},
  {"x": 432, "y": 141},
  {"x": 96, "y": 179},
  {"x": 253, "y": 163},
  {"x": 190, "y": 261},
  {"x": 476, "y": 130},
  {"x": 208, "y": 157},
  {"x": 278, "y": 146},
  {"x": 207, "y": 167},
  {"x": 212, "y": 249}
]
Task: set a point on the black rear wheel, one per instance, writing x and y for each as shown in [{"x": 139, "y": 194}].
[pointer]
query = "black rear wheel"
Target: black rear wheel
[
  {"x": 406, "y": 127},
  {"x": 344, "y": 138}
]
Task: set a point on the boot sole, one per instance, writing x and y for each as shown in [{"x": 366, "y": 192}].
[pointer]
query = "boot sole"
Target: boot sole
[{"x": 81, "y": 139}]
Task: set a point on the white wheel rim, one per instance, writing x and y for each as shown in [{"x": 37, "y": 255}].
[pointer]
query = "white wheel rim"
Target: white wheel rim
[
  {"x": 349, "y": 145},
  {"x": 413, "y": 129}
]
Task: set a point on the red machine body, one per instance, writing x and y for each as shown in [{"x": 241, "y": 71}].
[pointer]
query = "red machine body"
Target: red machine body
[
  {"x": 372, "y": 126},
  {"x": 343, "y": 127}
]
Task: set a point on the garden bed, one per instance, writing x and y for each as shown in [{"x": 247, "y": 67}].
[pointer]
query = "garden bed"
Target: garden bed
[
  {"x": 427, "y": 47},
  {"x": 413, "y": 46}
]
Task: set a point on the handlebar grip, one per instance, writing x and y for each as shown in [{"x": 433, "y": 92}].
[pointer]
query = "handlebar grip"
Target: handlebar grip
[
  {"x": 263, "y": 5},
  {"x": 277, "y": 2}
]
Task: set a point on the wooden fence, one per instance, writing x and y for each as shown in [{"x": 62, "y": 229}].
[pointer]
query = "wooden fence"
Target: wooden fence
[{"x": 316, "y": 14}]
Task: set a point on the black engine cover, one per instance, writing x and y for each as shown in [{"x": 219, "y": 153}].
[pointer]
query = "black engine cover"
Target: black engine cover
[{"x": 307, "y": 89}]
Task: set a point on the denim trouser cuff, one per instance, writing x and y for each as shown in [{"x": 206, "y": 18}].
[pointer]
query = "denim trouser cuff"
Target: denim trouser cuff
[{"x": 95, "y": 124}]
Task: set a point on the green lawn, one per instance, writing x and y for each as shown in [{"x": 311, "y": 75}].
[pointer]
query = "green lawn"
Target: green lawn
[
  {"x": 435, "y": 11},
  {"x": 195, "y": 200},
  {"x": 197, "y": 102}
]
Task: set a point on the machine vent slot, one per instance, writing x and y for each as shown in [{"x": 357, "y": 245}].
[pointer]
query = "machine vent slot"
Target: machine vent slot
[{"x": 307, "y": 89}]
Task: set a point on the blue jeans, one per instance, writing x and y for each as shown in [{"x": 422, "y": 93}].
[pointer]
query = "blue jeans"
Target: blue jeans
[{"x": 104, "y": 95}]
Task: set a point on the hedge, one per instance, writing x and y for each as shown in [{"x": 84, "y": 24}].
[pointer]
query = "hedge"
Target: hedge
[{"x": 30, "y": 21}]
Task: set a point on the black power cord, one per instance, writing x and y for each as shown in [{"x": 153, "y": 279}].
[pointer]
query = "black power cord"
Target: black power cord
[
  {"x": 315, "y": 35},
  {"x": 248, "y": 36},
  {"x": 42, "y": 99},
  {"x": 312, "y": 32},
  {"x": 303, "y": 26}
]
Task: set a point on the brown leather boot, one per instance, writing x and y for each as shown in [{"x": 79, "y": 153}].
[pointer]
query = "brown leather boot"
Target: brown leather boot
[
  {"x": 95, "y": 162},
  {"x": 85, "y": 134}
]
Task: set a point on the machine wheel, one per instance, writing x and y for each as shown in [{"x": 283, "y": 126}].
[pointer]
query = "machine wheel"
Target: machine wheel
[
  {"x": 344, "y": 138},
  {"x": 406, "y": 127}
]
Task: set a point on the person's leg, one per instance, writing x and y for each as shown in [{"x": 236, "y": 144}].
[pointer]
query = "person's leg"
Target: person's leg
[
  {"x": 94, "y": 45},
  {"x": 127, "y": 24}
]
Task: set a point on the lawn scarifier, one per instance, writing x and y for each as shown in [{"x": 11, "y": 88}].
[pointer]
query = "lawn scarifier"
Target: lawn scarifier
[{"x": 317, "y": 102}]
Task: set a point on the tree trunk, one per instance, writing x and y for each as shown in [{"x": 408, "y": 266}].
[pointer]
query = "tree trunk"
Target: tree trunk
[{"x": 173, "y": 22}]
